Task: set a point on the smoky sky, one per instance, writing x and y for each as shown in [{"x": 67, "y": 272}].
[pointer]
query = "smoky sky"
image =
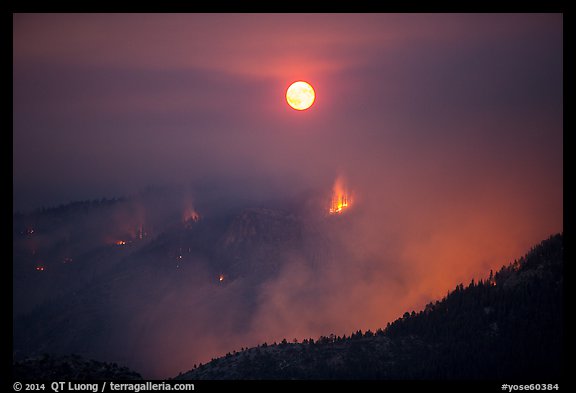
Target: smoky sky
[
  {"x": 446, "y": 127},
  {"x": 105, "y": 104}
]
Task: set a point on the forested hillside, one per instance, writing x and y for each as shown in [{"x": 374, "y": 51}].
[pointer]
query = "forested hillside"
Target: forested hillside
[{"x": 508, "y": 325}]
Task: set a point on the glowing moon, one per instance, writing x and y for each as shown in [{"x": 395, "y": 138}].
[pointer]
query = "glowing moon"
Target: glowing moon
[{"x": 300, "y": 95}]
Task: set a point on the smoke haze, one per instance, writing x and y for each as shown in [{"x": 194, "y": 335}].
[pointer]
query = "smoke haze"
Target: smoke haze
[{"x": 445, "y": 128}]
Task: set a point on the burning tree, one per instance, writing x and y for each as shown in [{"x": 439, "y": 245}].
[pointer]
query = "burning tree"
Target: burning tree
[
  {"x": 340, "y": 197},
  {"x": 190, "y": 217}
]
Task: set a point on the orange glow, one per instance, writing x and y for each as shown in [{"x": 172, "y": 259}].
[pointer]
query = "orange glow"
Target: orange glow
[
  {"x": 190, "y": 216},
  {"x": 340, "y": 197},
  {"x": 120, "y": 243},
  {"x": 221, "y": 278}
]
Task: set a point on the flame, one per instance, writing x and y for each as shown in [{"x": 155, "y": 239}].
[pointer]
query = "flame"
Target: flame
[
  {"x": 120, "y": 242},
  {"x": 340, "y": 197},
  {"x": 39, "y": 268},
  {"x": 221, "y": 278}
]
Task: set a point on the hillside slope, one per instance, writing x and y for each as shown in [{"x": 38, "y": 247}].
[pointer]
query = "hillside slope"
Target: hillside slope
[
  {"x": 507, "y": 326},
  {"x": 112, "y": 279}
]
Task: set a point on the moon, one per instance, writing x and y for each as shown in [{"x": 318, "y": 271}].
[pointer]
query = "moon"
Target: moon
[{"x": 300, "y": 95}]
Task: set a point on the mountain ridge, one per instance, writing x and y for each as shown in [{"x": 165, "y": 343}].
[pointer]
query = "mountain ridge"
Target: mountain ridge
[
  {"x": 493, "y": 329},
  {"x": 101, "y": 279},
  {"x": 93, "y": 283},
  {"x": 481, "y": 331}
]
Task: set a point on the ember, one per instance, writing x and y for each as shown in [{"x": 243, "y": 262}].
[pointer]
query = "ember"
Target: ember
[{"x": 190, "y": 216}]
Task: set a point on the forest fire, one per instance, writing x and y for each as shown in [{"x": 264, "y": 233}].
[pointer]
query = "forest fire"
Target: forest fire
[
  {"x": 340, "y": 197},
  {"x": 221, "y": 278},
  {"x": 190, "y": 216},
  {"x": 339, "y": 203},
  {"x": 120, "y": 243}
]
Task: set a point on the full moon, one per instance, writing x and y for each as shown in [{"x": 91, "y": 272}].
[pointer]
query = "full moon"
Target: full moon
[{"x": 300, "y": 95}]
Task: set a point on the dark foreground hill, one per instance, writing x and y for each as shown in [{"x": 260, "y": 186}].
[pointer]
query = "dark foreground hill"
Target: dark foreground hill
[
  {"x": 72, "y": 367},
  {"x": 506, "y": 326}
]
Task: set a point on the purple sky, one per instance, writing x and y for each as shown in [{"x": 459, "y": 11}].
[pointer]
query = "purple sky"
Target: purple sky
[
  {"x": 447, "y": 128},
  {"x": 106, "y": 104},
  {"x": 435, "y": 120}
]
